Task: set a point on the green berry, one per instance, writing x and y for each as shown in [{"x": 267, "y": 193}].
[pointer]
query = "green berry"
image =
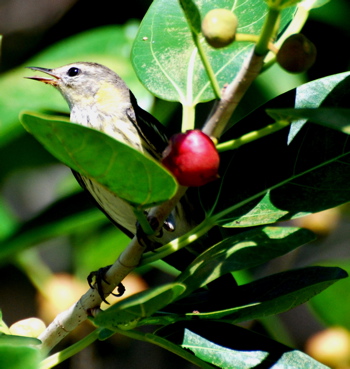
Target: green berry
[
  {"x": 297, "y": 54},
  {"x": 219, "y": 27}
]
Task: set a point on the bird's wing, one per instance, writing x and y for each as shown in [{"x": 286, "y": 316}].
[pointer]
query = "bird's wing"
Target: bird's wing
[{"x": 150, "y": 129}]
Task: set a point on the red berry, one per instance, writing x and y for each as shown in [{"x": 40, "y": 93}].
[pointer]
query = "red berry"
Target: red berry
[{"x": 192, "y": 158}]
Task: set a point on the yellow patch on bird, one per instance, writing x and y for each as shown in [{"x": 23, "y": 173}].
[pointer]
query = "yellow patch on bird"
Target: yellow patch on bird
[{"x": 109, "y": 97}]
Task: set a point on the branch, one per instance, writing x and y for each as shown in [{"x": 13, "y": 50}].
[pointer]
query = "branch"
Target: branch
[
  {"x": 232, "y": 95},
  {"x": 68, "y": 320}
]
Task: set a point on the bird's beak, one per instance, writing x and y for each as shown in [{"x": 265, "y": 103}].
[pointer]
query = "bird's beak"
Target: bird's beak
[{"x": 49, "y": 81}]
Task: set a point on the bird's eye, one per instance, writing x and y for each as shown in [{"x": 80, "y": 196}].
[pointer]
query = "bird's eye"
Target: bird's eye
[{"x": 72, "y": 72}]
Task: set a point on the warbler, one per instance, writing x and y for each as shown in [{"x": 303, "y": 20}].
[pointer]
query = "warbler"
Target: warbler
[{"x": 98, "y": 98}]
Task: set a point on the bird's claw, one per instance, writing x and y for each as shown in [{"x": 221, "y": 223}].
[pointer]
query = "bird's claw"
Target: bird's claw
[{"x": 95, "y": 280}]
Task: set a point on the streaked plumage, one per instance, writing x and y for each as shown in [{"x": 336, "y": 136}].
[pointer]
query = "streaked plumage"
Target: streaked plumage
[{"x": 99, "y": 98}]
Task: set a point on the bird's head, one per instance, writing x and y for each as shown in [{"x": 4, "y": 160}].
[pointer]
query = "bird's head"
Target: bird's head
[{"x": 84, "y": 83}]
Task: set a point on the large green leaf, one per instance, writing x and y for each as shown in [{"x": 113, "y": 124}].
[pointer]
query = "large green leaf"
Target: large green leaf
[
  {"x": 228, "y": 358},
  {"x": 337, "y": 297},
  {"x": 17, "y": 352},
  {"x": 322, "y": 92},
  {"x": 121, "y": 169},
  {"x": 273, "y": 294},
  {"x": 220, "y": 356},
  {"x": 165, "y": 57},
  {"x": 242, "y": 251},
  {"x": 293, "y": 172},
  {"x": 229, "y": 346},
  {"x": 337, "y": 118},
  {"x": 19, "y": 357}
]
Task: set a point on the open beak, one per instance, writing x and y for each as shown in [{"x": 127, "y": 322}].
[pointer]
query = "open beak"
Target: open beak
[{"x": 49, "y": 81}]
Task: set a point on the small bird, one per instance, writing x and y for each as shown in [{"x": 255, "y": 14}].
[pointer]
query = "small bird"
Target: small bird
[{"x": 98, "y": 98}]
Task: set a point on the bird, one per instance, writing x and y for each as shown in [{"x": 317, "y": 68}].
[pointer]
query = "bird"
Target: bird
[{"x": 98, "y": 98}]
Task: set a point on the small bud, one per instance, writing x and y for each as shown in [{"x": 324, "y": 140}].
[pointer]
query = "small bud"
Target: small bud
[
  {"x": 192, "y": 158},
  {"x": 297, "y": 54},
  {"x": 219, "y": 27}
]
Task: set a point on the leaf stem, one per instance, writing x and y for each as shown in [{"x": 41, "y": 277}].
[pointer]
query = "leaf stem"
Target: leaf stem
[
  {"x": 246, "y": 37},
  {"x": 162, "y": 342},
  {"x": 262, "y": 46},
  {"x": 251, "y": 136},
  {"x": 65, "y": 354},
  {"x": 188, "y": 117},
  {"x": 143, "y": 221},
  {"x": 207, "y": 66}
]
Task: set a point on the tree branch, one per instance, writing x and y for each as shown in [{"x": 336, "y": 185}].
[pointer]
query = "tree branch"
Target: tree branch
[
  {"x": 232, "y": 95},
  {"x": 68, "y": 320}
]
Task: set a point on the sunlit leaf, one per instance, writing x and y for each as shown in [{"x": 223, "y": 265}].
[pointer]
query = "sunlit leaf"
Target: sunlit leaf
[
  {"x": 291, "y": 173},
  {"x": 19, "y": 357},
  {"x": 242, "y": 251},
  {"x": 120, "y": 168},
  {"x": 336, "y": 118},
  {"x": 229, "y": 358},
  {"x": 165, "y": 57}
]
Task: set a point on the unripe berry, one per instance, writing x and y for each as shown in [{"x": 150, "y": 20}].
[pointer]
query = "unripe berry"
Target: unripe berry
[
  {"x": 297, "y": 54},
  {"x": 219, "y": 27},
  {"x": 192, "y": 158}
]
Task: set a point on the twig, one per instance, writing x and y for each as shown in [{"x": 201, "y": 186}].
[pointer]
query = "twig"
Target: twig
[
  {"x": 232, "y": 95},
  {"x": 68, "y": 320}
]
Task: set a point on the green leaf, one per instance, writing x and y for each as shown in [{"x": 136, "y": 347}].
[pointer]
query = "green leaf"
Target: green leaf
[
  {"x": 311, "y": 4},
  {"x": 297, "y": 359},
  {"x": 336, "y": 118},
  {"x": 336, "y": 297},
  {"x": 126, "y": 313},
  {"x": 242, "y": 251},
  {"x": 221, "y": 356},
  {"x": 192, "y": 15},
  {"x": 281, "y": 4},
  {"x": 17, "y": 352},
  {"x": 288, "y": 174},
  {"x": 121, "y": 169},
  {"x": 229, "y": 358},
  {"x": 3, "y": 326},
  {"x": 166, "y": 60},
  {"x": 224, "y": 344},
  {"x": 19, "y": 357},
  {"x": 13, "y": 340},
  {"x": 328, "y": 91},
  {"x": 274, "y": 294}
]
